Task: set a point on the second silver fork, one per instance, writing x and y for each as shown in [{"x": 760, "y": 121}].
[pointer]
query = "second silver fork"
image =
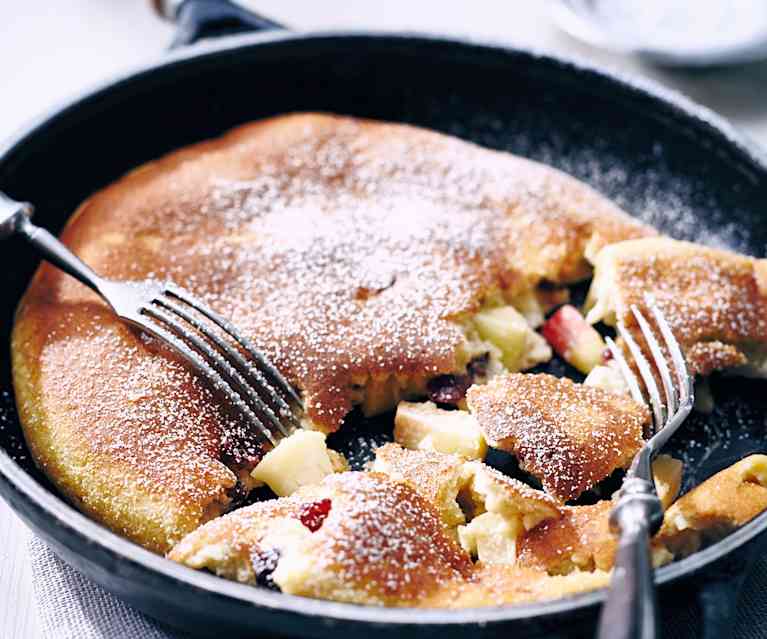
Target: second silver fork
[{"x": 630, "y": 611}]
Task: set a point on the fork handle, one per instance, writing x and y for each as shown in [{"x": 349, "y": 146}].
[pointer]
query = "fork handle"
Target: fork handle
[
  {"x": 630, "y": 611},
  {"x": 15, "y": 219}
]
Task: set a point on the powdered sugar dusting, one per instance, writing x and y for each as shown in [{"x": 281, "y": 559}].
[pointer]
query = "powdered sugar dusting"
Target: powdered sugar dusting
[
  {"x": 343, "y": 248},
  {"x": 567, "y": 435},
  {"x": 711, "y": 298}
]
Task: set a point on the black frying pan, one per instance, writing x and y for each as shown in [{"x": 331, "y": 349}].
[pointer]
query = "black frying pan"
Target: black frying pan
[{"x": 666, "y": 160}]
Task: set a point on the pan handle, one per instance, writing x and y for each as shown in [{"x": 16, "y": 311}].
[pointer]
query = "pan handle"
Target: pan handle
[{"x": 198, "y": 19}]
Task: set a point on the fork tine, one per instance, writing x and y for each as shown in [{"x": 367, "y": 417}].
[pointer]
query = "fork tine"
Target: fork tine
[
  {"x": 218, "y": 365},
  {"x": 625, "y": 369},
  {"x": 686, "y": 381},
  {"x": 263, "y": 363},
  {"x": 659, "y": 359},
  {"x": 647, "y": 377},
  {"x": 213, "y": 378},
  {"x": 242, "y": 369}
]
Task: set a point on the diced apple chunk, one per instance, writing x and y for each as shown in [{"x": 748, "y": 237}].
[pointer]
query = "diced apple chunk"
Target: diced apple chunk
[
  {"x": 667, "y": 473},
  {"x": 574, "y": 339},
  {"x": 423, "y": 426},
  {"x": 505, "y": 327},
  {"x": 299, "y": 460},
  {"x": 491, "y": 538},
  {"x": 528, "y": 305},
  {"x": 607, "y": 377}
]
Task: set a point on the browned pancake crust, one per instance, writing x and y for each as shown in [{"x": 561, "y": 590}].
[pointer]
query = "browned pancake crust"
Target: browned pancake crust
[
  {"x": 439, "y": 477},
  {"x": 715, "y": 301},
  {"x": 579, "y": 540},
  {"x": 567, "y": 435},
  {"x": 725, "y": 501},
  {"x": 341, "y": 247},
  {"x": 226, "y": 545},
  {"x": 381, "y": 543},
  {"x": 498, "y": 584}
]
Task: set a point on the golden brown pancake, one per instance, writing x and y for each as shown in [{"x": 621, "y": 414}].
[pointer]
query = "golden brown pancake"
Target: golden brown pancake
[
  {"x": 569, "y": 436},
  {"x": 347, "y": 250},
  {"x": 437, "y": 477},
  {"x": 727, "y": 500},
  {"x": 715, "y": 301},
  {"x": 445, "y": 480},
  {"x": 580, "y": 540},
  {"x": 379, "y": 543},
  {"x": 497, "y": 585}
]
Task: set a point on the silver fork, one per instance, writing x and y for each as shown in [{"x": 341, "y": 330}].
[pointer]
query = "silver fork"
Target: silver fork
[
  {"x": 208, "y": 342},
  {"x": 630, "y": 610}
]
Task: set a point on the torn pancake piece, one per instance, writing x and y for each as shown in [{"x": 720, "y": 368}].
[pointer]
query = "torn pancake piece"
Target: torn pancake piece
[
  {"x": 581, "y": 540},
  {"x": 485, "y": 508},
  {"x": 501, "y": 584},
  {"x": 715, "y": 301},
  {"x": 727, "y": 500},
  {"x": 356, "y": 537},
  {"x": 569, "y": 436},
  {"x": 437, "y": 477}
]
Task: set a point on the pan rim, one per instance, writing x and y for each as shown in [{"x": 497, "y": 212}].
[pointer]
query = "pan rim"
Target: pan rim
[{"x": 15, "y": 479}]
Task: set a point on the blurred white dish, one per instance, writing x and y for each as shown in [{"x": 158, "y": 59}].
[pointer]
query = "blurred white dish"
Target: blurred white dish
[{"x": 670, "y": 32}]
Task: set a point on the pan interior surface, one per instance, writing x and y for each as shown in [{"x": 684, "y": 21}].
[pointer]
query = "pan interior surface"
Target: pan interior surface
[{"x": 669, "y": 168}]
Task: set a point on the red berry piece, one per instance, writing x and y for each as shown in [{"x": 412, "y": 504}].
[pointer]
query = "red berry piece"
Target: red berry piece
[{"x": 313, "y": 515}]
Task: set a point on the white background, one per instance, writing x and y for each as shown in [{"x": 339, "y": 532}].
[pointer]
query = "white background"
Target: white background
[{"x": 50, "y": 49}]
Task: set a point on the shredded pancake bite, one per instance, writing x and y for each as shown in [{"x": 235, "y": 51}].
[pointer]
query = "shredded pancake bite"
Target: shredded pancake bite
[
  {"x": 495, "y": 509},
  {"x": 567, "y": 435},
  {"x": 711, "y": 510},
  {"x": 498, "y": 584},
  {"x": 715, "y": 301},
  {"x": 356, "y": 537},
  {"x": 581, "y": 539},
  {"x": 499, "y": 509},
  {"x": 226, "y": 546},
  {"x": 437, "y": 477}
]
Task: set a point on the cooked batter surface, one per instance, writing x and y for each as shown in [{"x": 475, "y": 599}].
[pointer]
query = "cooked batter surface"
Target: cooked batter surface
[{"x": 344, "y": 248}]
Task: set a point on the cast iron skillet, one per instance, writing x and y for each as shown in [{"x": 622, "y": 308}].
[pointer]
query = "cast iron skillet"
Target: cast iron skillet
[{"x": 664, "y": 159}]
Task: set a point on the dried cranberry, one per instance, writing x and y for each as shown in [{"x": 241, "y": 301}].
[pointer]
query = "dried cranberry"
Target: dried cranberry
[
  {"x": 264, "y": 563},
  {"x": 448, "y": 389},
  {"x": 607, "y": 355},
  {"x": 478, "y": 366},
  {"x": 313, "y": 515}
]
